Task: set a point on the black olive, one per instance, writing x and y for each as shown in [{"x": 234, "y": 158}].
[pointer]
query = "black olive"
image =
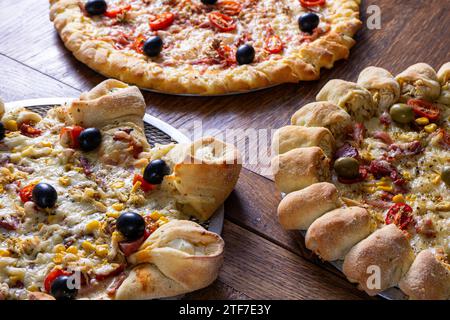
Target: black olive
[
  {"x": 44, "y": 195},
  {"x": 245, "y": 54},
  {"x": 131, "y": 225},
  {"x": 209, "y": 1},
  {"x": 95, "y": 7},
  {"x": 153, "y": 46},
  {"x": 155, "y": 171},
  {"x": 90, "y": 139},
  {"x": 308, "y": 22},
  {"x": 60, "y": 289},
  {"x": 2, "y": 131}
]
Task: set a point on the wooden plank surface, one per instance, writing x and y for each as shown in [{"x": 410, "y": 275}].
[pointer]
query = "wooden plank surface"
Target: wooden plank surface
[{"x": 34, "y": 63}]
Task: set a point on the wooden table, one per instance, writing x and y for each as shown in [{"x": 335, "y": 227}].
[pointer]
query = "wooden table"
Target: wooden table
[{"x": 262, "y": 261}]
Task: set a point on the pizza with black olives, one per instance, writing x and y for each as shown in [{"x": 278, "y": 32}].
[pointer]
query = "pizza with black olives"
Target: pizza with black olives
[
  {"x": 89, "y": 210},
  {"x": 207, "y": 46},
  {"x": 366, "y": 171}
]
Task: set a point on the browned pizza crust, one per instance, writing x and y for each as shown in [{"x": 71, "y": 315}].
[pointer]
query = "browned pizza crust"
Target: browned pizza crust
[
  {"x": 177, "y": 258},
  {"x": 428, "y": 278},
  {"x": 387, "y": 249},
  {"x": 332, "y": 235},
  {"x": 303, "y": 64}
]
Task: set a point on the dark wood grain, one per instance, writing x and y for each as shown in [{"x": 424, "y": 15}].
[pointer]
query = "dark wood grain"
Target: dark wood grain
[{"x": 262, "y": 260}]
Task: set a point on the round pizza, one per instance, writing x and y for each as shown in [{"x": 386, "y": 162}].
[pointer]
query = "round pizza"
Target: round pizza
[
  {"x": 89, "y": 210},
  {"x": 366, "y": 171},
  {"x": 207, "y": 46}
]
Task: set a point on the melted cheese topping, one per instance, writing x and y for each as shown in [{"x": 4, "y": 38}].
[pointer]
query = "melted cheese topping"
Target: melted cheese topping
[
  {"x": 191, "y": 37},
  {"x": 78, "y": 233},
  {"x": 425, "y": 192}
]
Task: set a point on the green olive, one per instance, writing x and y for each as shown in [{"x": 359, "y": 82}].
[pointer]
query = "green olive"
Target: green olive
[
  {"x": 445, "y": 175},
  {"x": 347, "y": 168},
  {"x": 402, "y": 113}
]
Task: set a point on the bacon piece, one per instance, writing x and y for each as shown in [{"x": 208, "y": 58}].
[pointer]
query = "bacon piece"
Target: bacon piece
[
  {"x": 346, "y": 150},
  {"x": 108, "y": 271},
  {"x": 29, "y": 131},
  {"x": 9, "y": 222},
  {"x": 382, "y": 168},
  {"x": 385, "y": 118},
  {"x": 383, "y": 136},
  {"x": 128, "y": 248},
  {"x": 87, "y": 168},
  {"x": 114, "y": 286},
  {"x": 358, "y": 133},
  {"x": 405, "y": 149},
  {"x": 380, "y": 204}
]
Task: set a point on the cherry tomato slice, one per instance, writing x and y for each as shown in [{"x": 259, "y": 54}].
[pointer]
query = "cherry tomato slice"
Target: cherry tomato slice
[
  {"x": 400, "y": 215},
  {"x": 69, "y": 136},
  {"x": 161, "y": 21},
  {"x": 138, "y": 44},
  {"x": 273, "y": 44},
  {"x": 26, "y": 193},
  {"x": 55, "y": 273},
  {"x": 145, "y": 186},
  {"x": 229, "y": 7},
  {"x": 221, "y": 21},
  {"x": 29, "y": 131},
  {"x": 424, "y": 108},
  {"x": 312, "y": 3},
  {"x": 115, "y": 12}
]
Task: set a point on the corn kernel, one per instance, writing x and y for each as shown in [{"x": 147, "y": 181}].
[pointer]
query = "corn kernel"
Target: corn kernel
[
  {"x": 5, "y": 253},
  {"x": 52, "y": 219},
  {"x": 430, "y": 128},
  {"x": 91, "y": 226},
  {"x": 59, "y": 248},
  {"x": 437, "y": 179},
  {"x": 64, "y": 181},
  {"x": 11, "y": 125},
  {"x": 162, "y": 220},
  {"x": 406, "y": 175},
  {"x": 155, "y": 215},
  {"x": 72, "y": 250},
  {"x": 101, "y": 251},
  {"x": 33, "y": 288},
  {"x": 87, "y": 246},
  {"x": 14, "y": 279},
  {"x": 382, "y": 183},
  {"x": 136, "y": 186},
  {"x": 398, "y": 198},
  {"x": 385, "y": 188},
  {"x": 117, "y": 236},
  {"x": 58, "y": 258},
  {"x": 423, "y": 121},
  {"x": 117, "y": 206},
  {"x": 112, "y": 214},
  {"x": 46, "y": 144},
  {"x": 118, "y": 185}
]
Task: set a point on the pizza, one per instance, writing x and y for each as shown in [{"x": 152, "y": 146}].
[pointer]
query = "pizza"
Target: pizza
[
  {"x": 366, "y": 171},
  {"x": 207, "y": 46},
  {"x": 89, "y": 210}
]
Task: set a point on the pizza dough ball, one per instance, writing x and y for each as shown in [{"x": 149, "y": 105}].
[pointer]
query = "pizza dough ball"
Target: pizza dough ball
[
  {"x": 323, "y": 114},
  {"x": 110, "y": 102},
  {"x": 419, "y": 81},
  {"x": 351, "y": 97},
  {"x": 204, "y": 174},
  {"x": 291, "y": 137},
  {"x": 428, "y": 278},
  {"x": 382, "y": 85},
  {"x": 300, "y": 208},
  {"x": 179, "y": 257},
  {"x": 332, "y": 235},
  {"x": 444, "y": 78},
  {"x": 299, "y": 168},
  {"x": 379, "y": 261}
]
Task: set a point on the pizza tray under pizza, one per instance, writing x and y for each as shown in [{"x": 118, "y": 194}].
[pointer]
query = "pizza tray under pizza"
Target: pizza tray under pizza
[
  {"x": 209, "y": 95},
  {"x": 156, "y": 131}
]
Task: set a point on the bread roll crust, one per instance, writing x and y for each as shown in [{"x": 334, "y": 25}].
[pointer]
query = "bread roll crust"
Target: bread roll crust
[
  {"x": 291, "y": 137},
  {"x": 332, "y": 235},
  {"x": 323, "y": 114},
  {"x": 428, "y": 278},
  {"x": 387, "y": 249},
  {"x": 419, "y": 81},
  {"x": 300, "y": 208},
  {"x": 299, "y": 168}
]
